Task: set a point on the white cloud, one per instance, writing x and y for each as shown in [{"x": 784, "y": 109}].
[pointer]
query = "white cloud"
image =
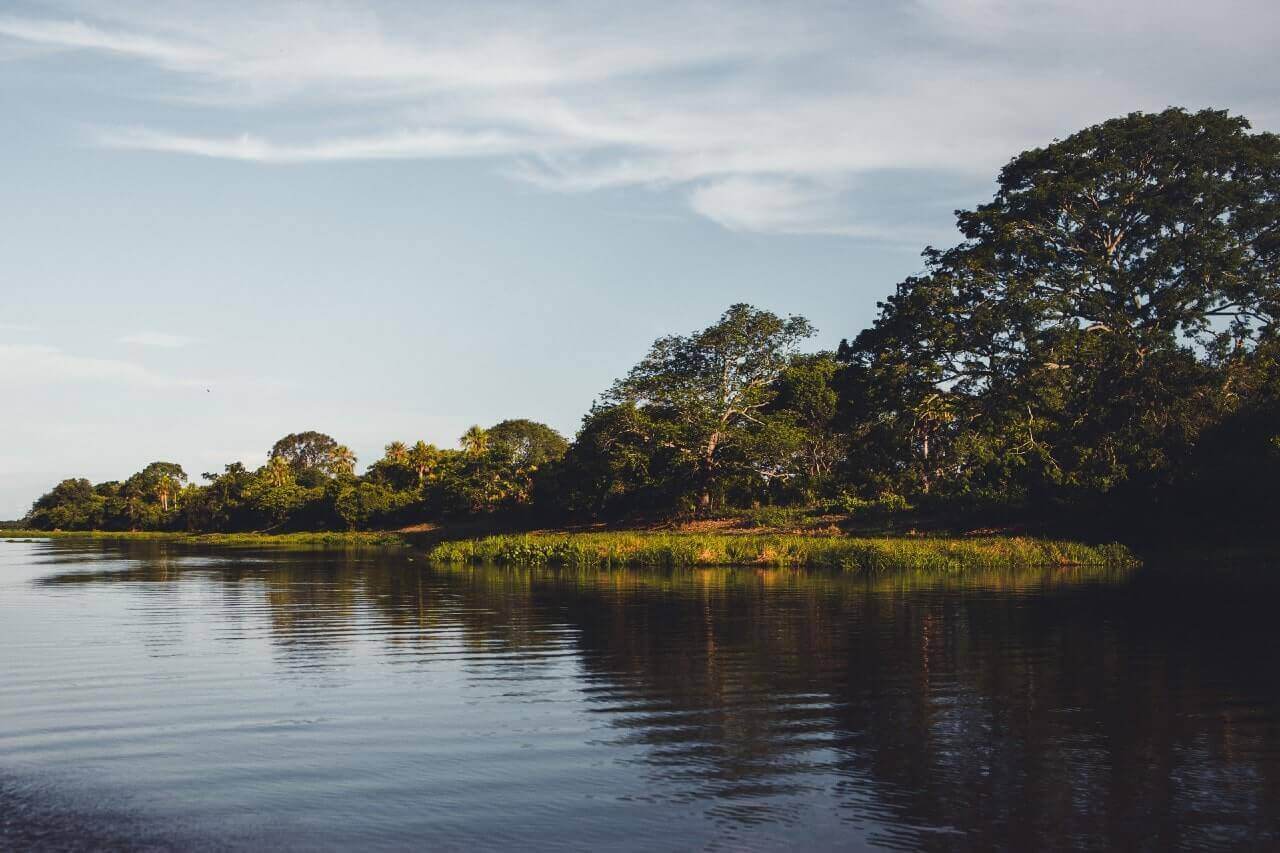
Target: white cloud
[
  {"x": 396, "y": 145},
  {"x": 770, "y": 205},
  {"x": 35, "y": 364},
  {"x": 761, "y": 114},
  {"x": 79, "y": 35},
  {"x": 164, "y": 340}
]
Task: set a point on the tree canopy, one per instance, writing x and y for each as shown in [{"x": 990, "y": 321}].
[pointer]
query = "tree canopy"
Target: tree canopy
[
  {"x": 527, "y": 443},
  {"x": 712, "y": 387},
  {"x": 1102, "y": 339},
  {"x": 313, "y": 456},
  {"x": 1089, "y": 325}
]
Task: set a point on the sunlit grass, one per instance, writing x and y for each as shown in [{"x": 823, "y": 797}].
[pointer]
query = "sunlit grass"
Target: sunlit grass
[
  {"x": 335, "y": 539},
  {"x": 933, "y": 555},
  {"x": 871, "y": 555}
]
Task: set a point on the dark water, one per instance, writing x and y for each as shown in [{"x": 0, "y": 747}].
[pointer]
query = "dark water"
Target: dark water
[{"x": 158, "y": 697}]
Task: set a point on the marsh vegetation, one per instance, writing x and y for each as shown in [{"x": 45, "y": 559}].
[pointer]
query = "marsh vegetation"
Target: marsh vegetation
[{"x": 841, "y": 553}]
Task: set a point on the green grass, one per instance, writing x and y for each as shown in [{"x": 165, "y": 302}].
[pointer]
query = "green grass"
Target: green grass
[
  {"x": 354, "y": 539},
  {"x": 873, "y": 556},
  {"x": 929, "y": 555}
]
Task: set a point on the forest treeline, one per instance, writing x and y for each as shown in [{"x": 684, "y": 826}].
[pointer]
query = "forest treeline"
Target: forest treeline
[{"x": 1101, "y": 344}]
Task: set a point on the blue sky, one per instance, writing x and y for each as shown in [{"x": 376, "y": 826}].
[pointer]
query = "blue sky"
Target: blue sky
[{"x": 226, "y": 221}]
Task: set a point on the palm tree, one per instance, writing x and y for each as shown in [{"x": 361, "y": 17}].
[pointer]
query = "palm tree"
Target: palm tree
[
  {"x": 423, "y": 457},
  {"x": 397, "y": 452},
  {"x": 342, "y": 461},
  {"x": 475, "y": 441},
  {"x": 278, "y": 470},
  {"x": 166, "y": 487},
  {"x": 161, "y": 480}
]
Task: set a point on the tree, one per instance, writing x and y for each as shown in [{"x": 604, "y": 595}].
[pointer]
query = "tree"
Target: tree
[
  {"x": 807, "y": 407},
  {"x": 714, "y": 384},
  {"x": 70, "y": 505},
  {"x": 525, "y": 443},
  {"x": 223, "y": 504},
  {"x": 277, "y": 471},
  {"x": 161, "y": 480},
  {"x": 423, "y": 459},
  {"x": 1142, "y": 228},
  {"x": 1082, "y": 334},
  {"x": 342, "y": 462},
  {"x": 115, "y": 506},
  {"x": 274, "y": 493},
  {"x": 495, "y": 469},
  {"x": 313, "y": 456},
  {"x": 475, "y": 441},
  {"x": 622, "y": 462},
  {"x": 363, "y": 504}
]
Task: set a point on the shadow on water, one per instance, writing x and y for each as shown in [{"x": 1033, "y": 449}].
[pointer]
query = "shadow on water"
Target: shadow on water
[{"x": 1046, "y": 708}]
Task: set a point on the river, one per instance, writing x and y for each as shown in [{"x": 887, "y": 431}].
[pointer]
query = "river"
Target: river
[{"x": 162, "y": 696}]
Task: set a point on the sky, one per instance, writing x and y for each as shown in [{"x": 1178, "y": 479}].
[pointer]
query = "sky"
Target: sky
[{"x": 226, "y": 221}]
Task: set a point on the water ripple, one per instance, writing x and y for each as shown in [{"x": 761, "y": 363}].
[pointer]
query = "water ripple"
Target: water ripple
[{"x": 156, "y": 696}]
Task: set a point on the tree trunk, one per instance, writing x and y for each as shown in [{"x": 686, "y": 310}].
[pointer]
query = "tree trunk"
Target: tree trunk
[
  {"x": 925, "y": 472},
  {"x": 708, "y": 465}
]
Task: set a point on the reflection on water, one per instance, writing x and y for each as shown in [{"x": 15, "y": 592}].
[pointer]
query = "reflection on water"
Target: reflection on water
[{"x": 173, "y": 696}]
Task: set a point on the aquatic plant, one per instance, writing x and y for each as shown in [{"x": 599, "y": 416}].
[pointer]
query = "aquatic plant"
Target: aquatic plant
[{"x": 866, "y": 555}]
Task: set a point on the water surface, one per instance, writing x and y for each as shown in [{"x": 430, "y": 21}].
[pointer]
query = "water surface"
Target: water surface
[{"x": 160, "y": 696}]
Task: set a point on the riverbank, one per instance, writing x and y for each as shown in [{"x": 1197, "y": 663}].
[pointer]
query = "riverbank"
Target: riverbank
[
  {"x": 644, "y": 549},
  {"x": 328, "y": 539},
  {"x": 865, "y": 555}
]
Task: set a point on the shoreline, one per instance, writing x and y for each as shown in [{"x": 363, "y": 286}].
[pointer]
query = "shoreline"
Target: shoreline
[
  {"x": 655, "y": 549},
  {"x": 358, "y": 539}
]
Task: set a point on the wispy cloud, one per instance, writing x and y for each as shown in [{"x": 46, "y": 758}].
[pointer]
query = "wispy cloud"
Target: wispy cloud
[
  {"x": 28, "y": 364},
  {"x": 18, "y": 327},
  {"x": 163, "y": 340},
  {"x": 82, "y": 36},
  {"x": 398, "y": 145},
  {"x": 771, "y": 205},
  {"x": 762, "y": 116}
]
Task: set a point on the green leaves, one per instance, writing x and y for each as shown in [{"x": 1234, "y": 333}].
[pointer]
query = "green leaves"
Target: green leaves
[
  {"x": 314, "y": 456},
  {"x": 712, "y": 389},
  {"x": 1081, "y": 336}
]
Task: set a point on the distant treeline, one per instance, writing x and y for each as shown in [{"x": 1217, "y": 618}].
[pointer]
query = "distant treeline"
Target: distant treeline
[{"x": 1102, "y": 343}]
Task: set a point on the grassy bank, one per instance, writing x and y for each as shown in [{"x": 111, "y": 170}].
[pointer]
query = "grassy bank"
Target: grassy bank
[
  {"x": 329, "y": 539},
  {"x": 678, "y": 550},
  {"x": 640, "y": 549}
]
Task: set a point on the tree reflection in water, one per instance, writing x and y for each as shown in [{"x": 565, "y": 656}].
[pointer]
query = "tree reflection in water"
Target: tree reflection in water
[{"x": 1046, "y": 708}]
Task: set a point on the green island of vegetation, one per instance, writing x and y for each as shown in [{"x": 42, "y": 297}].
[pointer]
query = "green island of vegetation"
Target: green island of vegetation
[
  {"x": 677, "y": 550},
  {"x": 1098, "y": 358},
  {"x": 844, "y": 553}
]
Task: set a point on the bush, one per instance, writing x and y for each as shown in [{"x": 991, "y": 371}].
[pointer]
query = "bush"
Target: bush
[
  {"x": 773, "y": 516},
  {"x": 877, "y": 509}
]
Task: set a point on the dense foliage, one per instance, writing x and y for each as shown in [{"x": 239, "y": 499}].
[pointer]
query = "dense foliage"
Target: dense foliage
[
  {"x": 309, "y": 483},
  {"x": 1101, "y": 342},
  {"x": 1114, "y": 302}
]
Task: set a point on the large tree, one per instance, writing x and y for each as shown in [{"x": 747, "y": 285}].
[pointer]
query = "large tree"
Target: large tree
[
  {"x": 527, "y": 444},
  {"x": 714, "y": 385},
  {"x": 622, "y": 462},
  {"x": 1088, "y": 326},
  {"x": 803, "y": 416},
  {"x": 71, "y": 505},
  {"x": 160, "y": 481},
  {"x": 313, "y": 457}
]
